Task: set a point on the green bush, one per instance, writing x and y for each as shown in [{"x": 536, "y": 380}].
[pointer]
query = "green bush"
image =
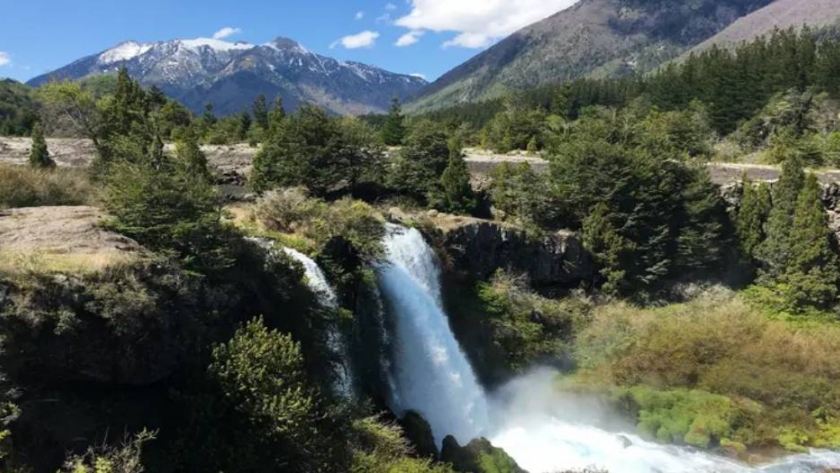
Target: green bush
[
  {"x": 721, "y": 346},
  {"x": 691, "y": 417}
]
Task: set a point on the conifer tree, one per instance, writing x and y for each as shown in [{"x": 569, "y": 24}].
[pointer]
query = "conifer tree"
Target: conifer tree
[
  {"x": 532, "y": 147},
  {"x": 774, "y": 253},
  {"x": 609, "y": 248},
  {"x": 244, "y": 125},
  {"x": 457, "y": 193},
  {"x": 812, "y": 274},
  {"x": 190, "y": 156},
  {"x": 260, "y": 110},
  {"x": 277, "y": 115},
  {"x": 756, "y": 204},
  {"x": 393, "y": 133},
  {"x": 39, "y": 155}
]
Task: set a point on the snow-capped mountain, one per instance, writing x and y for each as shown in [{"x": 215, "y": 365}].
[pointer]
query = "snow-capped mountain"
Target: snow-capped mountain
[{"x": 231, "y": 75}]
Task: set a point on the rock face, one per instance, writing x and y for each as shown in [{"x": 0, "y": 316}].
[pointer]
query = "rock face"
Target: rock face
[
  {"x": 483, "y": 247},
  {"x": 479, "y": 456}
]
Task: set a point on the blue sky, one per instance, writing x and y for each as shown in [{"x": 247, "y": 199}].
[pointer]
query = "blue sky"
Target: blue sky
[{"x": 427, "y": 37}]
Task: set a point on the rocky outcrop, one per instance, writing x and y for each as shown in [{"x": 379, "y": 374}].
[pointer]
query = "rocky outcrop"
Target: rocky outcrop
[
  {"x": 478, "y": 456},
  {"x": 483, "y": 247},
  {"x": 418, "y": 431}
]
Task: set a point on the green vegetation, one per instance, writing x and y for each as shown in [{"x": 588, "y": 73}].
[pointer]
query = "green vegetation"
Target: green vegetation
[
  {"x": 27, "y": 187},
  {"x": 39, "y": 155},
  {"x": 393, "y": 132},
  {"x": 715, "y": 370},
  {"x": 17, "y": 109}
]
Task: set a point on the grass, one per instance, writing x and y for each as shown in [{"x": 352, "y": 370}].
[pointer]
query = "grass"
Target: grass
[
  {"x": 19, "y": 263},
  {"x": 21, "y": 186}
]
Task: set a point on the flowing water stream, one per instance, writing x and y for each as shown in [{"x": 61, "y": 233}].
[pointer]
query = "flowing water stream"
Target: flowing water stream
[{"x": 537, "y": 426}]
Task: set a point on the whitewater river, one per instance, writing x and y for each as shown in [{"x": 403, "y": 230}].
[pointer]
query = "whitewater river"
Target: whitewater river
[{"x": 539, "y": 427}]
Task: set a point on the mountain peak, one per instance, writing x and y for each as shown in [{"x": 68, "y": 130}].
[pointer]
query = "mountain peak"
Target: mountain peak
[
  {"x": 282, "y": 43},
  {"x": 231, "y": 75}
]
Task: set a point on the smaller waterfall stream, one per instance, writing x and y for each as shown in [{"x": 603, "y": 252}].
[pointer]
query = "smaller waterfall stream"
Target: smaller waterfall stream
[{"x": 317, "y": 281}]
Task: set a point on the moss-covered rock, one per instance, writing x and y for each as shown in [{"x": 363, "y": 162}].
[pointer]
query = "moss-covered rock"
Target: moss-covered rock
[
  {"x": 478, "y": 456},
  {"x": 419, "y": 433}
]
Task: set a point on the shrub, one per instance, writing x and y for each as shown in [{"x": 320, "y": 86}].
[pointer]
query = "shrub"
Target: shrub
[
  {"x": 25, "y": 187},
  {"x": 727, "y": 348},
  {"x": 291, "y": 211}
]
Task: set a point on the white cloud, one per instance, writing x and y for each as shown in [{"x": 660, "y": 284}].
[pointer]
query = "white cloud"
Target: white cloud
[
  {"x": 226, "y": 32},
  {"x": 5, "y": 59},
  {"x": 360, "y": 15},
  {"x": 390, "y": 7},
  {"x": 365, "y": 39},
  {"x": 409, "y": 38},
  {"x": 418, "y": 74},
  {"x": 478, "y": 22}
]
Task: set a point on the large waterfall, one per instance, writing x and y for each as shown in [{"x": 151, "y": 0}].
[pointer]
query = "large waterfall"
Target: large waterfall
[
  {"x": 537, "y": 426},
  {"x": 431, "y": 374}
]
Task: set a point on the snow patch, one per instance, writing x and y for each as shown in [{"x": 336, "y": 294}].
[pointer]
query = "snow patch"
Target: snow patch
[
  {"x": 124, "y": 52},
  {"x": 215, "y": 44}
]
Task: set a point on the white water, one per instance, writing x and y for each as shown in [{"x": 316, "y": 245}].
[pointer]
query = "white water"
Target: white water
[
  {"x": 431, "y": 374},
  {"x": 335, "y": 339},
  {"x": 317, "y": 282},
  {"x": 540, "y": 428}
]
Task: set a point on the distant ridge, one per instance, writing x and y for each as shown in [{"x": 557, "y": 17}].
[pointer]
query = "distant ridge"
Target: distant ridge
[{"x": 231, "y": 75}]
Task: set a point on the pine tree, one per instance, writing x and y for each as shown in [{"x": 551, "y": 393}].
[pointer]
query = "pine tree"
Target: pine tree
[
  {"x": 457, "y": 193},
  {"x": 39, "y": 155},
  {"x": 774, "y": 253},
  {"x": 533, "y": 147},
  {"x": 756, "y": 204},
  {"x": 277, "y": 115},
  {"x": 190, "y": 156},
  {"x": 393, "y": 133},
  {"x": 812, "y": 274},
  {"x": 244, "y": 125},
  {"x": 609, "y": 248},
  {"x": 260, "y": 110}
]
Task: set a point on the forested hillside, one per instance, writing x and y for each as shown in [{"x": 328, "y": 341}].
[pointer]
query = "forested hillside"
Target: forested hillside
[{"x": 592, "y": 39}]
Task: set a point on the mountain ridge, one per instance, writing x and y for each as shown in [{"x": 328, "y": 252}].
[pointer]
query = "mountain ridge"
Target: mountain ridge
[
  {"x": 231, "y": 75},
  {"x": 593, "y": 38}
]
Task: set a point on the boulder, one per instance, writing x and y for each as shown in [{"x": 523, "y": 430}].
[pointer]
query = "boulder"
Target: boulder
[
  {"x": 483, "y": 247},
  {"x": 478, "y": 456},
  {"x": 419, "y": 433}
]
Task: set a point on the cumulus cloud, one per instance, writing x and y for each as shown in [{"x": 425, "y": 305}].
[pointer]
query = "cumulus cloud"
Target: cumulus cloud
[
  {"x": 418, "y": 75},
  {"x": 360, "y": 15},
  {"x": 365, "y": 39},
  {"x": 5, "y": 59},
  {"x": 409, "y": 38},
  {"x": 226, "y": 32},
  {"x": 478, "y": 22}
]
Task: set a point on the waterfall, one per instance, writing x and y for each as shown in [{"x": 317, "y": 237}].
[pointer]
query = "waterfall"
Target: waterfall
[
  {"x": 536, "y": 425},
  {"x": 335, "y": 339},
  {"x": 431, "y": 374},
  {"x": 317, "y": 282}
]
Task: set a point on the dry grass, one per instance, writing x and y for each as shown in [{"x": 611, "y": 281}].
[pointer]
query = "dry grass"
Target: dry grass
[
  {"x": 21, "y": 186},
  {"x": 18, "y": 263}
]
